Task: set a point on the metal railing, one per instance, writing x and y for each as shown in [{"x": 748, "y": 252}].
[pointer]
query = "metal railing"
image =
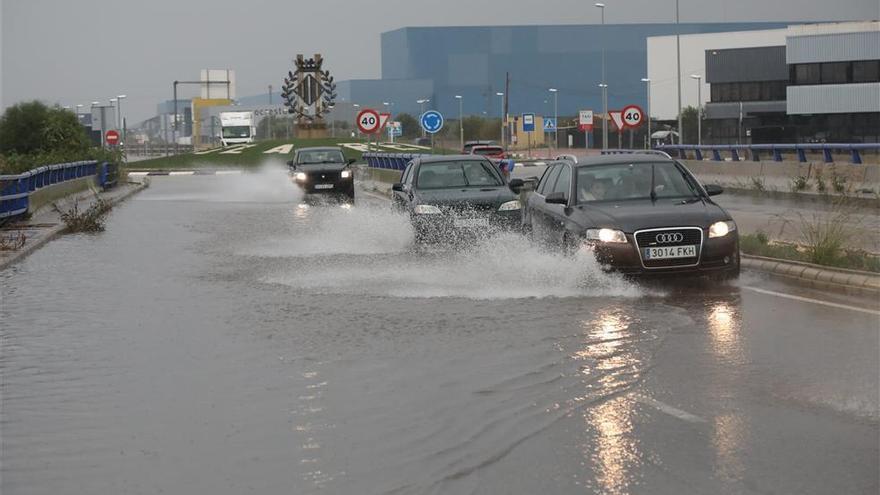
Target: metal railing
[
  {"x": 390, "y": 161},
  {"x": 15, "y": 190},
  {"x": 777, "y": 151}
]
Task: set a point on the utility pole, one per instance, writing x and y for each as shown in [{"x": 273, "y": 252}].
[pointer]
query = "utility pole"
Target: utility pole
[
  {"x": 502, "y": 118},
  {"x": 604, "y": 84},
  {"x": 269, "y": 133},
  {"x": 678, "y": 71},
  {"x": 647, "y": 82},
  {"x": 698, "y": 78},
  {"x": 460, "y": 119}
]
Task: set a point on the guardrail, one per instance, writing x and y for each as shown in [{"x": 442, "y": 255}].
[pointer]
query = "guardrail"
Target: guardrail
[
  {"x": 15, "y": 190},
  {"x": 777, "y": 151},
  {"x": 391, "y": 161}
]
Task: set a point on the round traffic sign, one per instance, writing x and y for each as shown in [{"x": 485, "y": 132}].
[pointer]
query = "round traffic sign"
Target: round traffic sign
[
  {"x": 112, "y": 137},
  {"x": 431, "y": 121},
  {"x": 632, "y": 116},
  {"x": 368, "y": 121}
]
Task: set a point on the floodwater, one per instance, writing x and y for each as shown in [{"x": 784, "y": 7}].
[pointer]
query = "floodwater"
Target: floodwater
[{"x": 221, "y": 337}]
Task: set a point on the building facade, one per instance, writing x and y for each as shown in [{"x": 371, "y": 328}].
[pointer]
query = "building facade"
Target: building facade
[{"x": 473, "y": 62}]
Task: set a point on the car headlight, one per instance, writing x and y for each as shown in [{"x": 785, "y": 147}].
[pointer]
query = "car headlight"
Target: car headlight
[
  {"x": 300, "y": 176},
  {"x": 606, "y": 235},
  {"x": 426, "y": 210},
  {"x": 510, "y": 206},
  {"x": 345, "y": 174},
  {"x": 721, "y": 229}
]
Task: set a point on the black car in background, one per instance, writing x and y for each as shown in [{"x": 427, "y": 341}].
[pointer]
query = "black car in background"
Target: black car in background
[
  {"x": 641, "y": 214},
  {"x": 323, "y": 171},
  {"x": 456, "y": 196}
]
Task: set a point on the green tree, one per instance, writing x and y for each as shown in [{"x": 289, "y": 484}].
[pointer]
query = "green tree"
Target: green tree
[
  {"x": 32, "y": 127},
  {"x": 411, "y": 127},
  {"x": 689, "y": 123}
]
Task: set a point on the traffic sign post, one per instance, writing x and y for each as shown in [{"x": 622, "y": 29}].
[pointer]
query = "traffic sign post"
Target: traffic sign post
[
  {"x": 528, "y": 126},
  {"x": 431, "y": 121},
  {"x": 111, "y": 137},
  {"x": 585, "y": 124},
  {"x": 549, "y": 124},
  {"x": 633, "y": 116},
  {"x": 368, "y": 121}
]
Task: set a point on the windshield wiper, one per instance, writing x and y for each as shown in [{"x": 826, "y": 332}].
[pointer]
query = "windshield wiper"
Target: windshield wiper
[
  {"x": 653, "y": 192},
  {"x": 690, "y": 200}
]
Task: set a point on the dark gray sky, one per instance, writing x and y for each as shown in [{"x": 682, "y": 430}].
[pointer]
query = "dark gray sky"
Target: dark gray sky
[{"x": 77, "y": 51}]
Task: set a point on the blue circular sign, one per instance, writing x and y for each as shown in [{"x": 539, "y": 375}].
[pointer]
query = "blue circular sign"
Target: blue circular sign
[{"x": 432, "y": 121}]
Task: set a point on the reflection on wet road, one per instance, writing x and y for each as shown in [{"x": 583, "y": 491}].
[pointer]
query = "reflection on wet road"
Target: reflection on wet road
[{"x": 222, "y": 338}]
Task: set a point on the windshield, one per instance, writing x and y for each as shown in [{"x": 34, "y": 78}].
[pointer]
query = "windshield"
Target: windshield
[
  {"x": 444, "y": 175},
  {"x": 322, "y": 156},
  {"x": 237, "y": 131},
  {"x": 628, "y": 181}
]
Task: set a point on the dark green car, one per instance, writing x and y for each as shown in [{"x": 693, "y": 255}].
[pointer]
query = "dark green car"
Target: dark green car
[{"x": 456, "y": 196}]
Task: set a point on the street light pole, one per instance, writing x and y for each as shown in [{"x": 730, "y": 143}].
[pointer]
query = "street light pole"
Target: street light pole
[
  {"x": 699, "y": 108},
  {"x": 421, "y": 103},
  {"x": 500, "y": 94},
  {"x": 555, "y": 117},
  {"x": 678, "y": 71},
  {"x": 119, "y": 99},
  {"x": 604, "y": 85},
  {"x": 647, "y": 82},
  {"x": 460, "y": 119}
]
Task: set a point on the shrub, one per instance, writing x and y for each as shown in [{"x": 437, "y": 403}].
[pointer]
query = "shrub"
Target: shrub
[
  {"x": 799, "y": 183},
  {"x": 89, "y": 220}
]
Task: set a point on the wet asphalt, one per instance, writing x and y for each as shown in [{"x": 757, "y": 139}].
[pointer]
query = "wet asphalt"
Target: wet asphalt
[{"x": 221, "y": 338}]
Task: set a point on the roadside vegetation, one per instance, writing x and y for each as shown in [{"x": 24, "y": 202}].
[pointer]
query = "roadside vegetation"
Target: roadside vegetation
[
  {"x": 90, "y": 219},
  {"x": 823, "y": 240},
  {"x": 33, "y": 134}
]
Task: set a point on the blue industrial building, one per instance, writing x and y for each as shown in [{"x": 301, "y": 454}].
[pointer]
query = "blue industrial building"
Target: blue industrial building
[{"x": 472, "y": 62}]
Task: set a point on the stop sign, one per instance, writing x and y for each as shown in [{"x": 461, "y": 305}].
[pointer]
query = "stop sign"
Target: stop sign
[{"x": 112, "y": 137}]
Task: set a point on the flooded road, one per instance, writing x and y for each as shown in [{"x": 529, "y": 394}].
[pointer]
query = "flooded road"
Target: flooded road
[{"x": 221, "y": 338}]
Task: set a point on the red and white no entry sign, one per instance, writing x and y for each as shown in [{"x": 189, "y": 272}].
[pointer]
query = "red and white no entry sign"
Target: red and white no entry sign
[
  {"x": 633, "y": 116},
  {"x": 368, "y": 121},
  {"x": 112, "y": 137}
]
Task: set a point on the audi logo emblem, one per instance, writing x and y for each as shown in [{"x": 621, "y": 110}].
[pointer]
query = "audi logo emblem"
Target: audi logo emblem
[{"x": 669, "y": 238}]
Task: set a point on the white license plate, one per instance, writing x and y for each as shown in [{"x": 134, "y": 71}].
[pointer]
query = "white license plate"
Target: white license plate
[
  {"x": 323, "y": 186},
  {"x": 470, "y": 223},
  {"x": 670, "y": 252}
]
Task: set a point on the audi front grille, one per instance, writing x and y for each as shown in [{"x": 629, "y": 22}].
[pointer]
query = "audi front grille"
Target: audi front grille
[{"x": 669, "y": 237}]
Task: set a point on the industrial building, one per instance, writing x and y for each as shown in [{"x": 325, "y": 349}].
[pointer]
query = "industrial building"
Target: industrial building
[{"x": 805, "y": 83}]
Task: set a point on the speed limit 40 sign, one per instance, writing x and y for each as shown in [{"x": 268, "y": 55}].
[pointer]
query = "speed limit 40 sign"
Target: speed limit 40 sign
[
  {"x": 368, "y": 121},
  {"x": 632, "y": 116}
]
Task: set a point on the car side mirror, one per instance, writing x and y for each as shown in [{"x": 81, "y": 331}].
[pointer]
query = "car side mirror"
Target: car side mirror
[
  {"x": 351, "y": 161},
  {"x": 290, "y": 164},
  {"x": 556, "y": 198},
  {"x": 516, "y": 185},
  {"x": 713, "y": 189},
  {"x": 397, "y": 186}
]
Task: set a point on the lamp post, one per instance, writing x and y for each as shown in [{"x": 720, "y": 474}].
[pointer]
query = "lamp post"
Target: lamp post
[
  {"x": 678, "y": 71},
  {"x": 501, "y": 95},
  {"x": 78, "y": 106},
  {"x": 115, "y": 106},
  {"x": 460, "y": 119},
  {"x": 604, "y": 85},
  {"x": 555, "y": 117},
  {"x": 604, "y": 115},
  {"x": 121, "y": 125},
  {"x": 699, "y": 108},
  {"x": 647, "y": 82}
]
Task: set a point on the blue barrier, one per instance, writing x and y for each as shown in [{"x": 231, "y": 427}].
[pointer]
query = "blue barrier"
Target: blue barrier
[
  {"x": 778, "y": 151},
  {"x": 390, "y": 161},
  {"x": 15, "y": 190}
]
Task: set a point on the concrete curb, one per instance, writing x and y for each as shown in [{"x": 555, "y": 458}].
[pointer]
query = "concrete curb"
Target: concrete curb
[
  {"x": 816, "y": 275},
  {"x": 145, "y": 173},
  {"x": 57, "y": 230}
]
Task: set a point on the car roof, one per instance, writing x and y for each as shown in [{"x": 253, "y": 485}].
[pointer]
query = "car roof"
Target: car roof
[
  {"x": 621, "y": 158},
  {"x": 450, "y": 158},
  {"x": 484, "y": 146},
  {"x": 320, "y": 148}
]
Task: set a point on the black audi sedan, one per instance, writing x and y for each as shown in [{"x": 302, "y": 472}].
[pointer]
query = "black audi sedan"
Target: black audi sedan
[
  {"x": 640, "y": 214},
  {"x": 453, "y": 197},
  {"x": 323, "y": 171}
]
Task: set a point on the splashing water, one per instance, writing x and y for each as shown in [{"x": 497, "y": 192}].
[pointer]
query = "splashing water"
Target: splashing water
[{"x": 268, "y": 184}]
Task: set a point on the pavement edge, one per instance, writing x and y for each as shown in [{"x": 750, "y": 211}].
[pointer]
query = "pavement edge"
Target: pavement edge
[{"x": 817, "y": 276}]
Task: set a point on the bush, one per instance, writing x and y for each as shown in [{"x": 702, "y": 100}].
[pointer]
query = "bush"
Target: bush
[
  {"x": 90, "y": 220},
  {"x": 799, "y": 184}
]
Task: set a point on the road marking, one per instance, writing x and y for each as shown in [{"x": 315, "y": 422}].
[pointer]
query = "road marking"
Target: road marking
[
  {"x": 814, "y": 301},
  {"x": 228, "y": 172},
  {"x": 672, "y": 411},
  {"x": 138, "y": 174},
  {"x": 188, "y": 172}
]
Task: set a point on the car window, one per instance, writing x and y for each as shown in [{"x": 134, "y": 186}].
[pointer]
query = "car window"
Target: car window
[
  {"x": 549, "y": 180},
  {"x": 627, "y": 181},
  {"x": 468, "y": 173},
  {"x": 563, "y": 183},
  {"x": 407, "y": 174},
  {"x": 319, "y": 156},
  {"x": 485, "y": 150}
]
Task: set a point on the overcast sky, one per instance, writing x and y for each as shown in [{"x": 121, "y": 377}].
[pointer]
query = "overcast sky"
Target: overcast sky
[{"x": 77, "y": 51}]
